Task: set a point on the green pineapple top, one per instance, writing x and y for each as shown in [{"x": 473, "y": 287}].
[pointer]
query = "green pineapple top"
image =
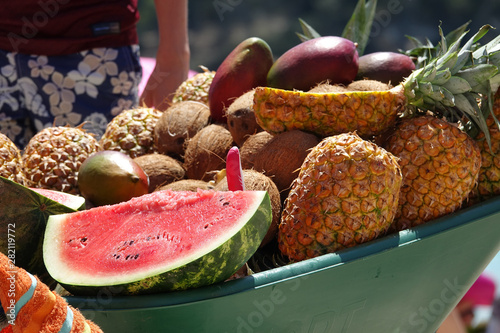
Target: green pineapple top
[{"x": 456, "y": 81}]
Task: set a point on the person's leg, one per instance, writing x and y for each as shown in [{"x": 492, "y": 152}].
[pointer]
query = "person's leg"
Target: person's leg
[
  {"x": 14, "y": 119},
  {"x": 118, "y": 92},
  {"x": 89, "y": 87}
]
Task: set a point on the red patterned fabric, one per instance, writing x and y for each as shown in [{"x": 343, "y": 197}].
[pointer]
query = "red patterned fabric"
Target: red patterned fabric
[{"x": 58, "y": 27}]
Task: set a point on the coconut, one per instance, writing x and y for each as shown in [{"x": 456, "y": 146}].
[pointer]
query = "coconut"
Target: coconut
[
  {"x": 251, "y": 147},
  {"x": 179, "y": 122},
  {"x": 326, "y": 87},
  {"x": 282, "y": 156},
  {"x": 368, "y": 85},
  {"x": 161, "y": 169},
  {"x": 257, "y": 181},
  {"x": 206, "y": 152},
  {"x": 241, "y": 120},
  {"x": 186, "y": 185}
]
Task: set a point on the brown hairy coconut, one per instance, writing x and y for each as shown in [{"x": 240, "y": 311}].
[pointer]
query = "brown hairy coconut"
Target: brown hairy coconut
[
  {"x": 282, "y": 156},
  {"x": 326, "y": 87},
  {"x": 161, "y": 169},
  {"x": 241, "y": 120},
  {"x": 368, "y": 85},
  {"x": 257, "y": 181},
  {"x": 178, "y": 123},
  {"x": 187, "y": 185},
  {"x": 252, "y": 146},
  {"x": 206, "y": 152}
]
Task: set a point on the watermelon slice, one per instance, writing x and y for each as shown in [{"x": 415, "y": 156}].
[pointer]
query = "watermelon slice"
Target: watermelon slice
[
  {"x": 162, "y": 241},
  {"x": 66, "y": 199},
  {"x": 23, "y": 216}
]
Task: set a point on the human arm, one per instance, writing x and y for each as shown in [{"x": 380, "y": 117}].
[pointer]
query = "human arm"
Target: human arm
[{"x": 173, "y": 54}]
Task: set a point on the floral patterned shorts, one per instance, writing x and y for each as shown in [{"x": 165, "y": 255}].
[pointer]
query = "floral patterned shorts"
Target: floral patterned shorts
[{"x": 90, "y": 88}]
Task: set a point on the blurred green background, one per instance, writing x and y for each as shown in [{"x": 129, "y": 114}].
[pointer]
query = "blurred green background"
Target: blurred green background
[{"x": 217, "y": 26}]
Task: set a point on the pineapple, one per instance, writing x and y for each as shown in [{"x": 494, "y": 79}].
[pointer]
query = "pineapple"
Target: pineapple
[
  {"x": 195, "y": 88},
  {"x": 440, "y": 165},
  {"x": 366, "y": 112},
  {"x": 10, "y": 160},
  {"x": 53, "y": 156},
  {"x": 131, "y": 132},
  {"x": 346, "y": 193},
  {"x": 450, "y": 84},
  {"x": 439, "y": 162},
  {"x": 489, "y": 174}
]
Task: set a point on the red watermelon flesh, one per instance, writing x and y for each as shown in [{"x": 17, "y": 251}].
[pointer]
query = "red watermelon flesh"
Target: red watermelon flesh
[
  {"x": 176, "y": 227},
  {"x": 66, "y": 199},
  {"x": 153, "y": 234}
]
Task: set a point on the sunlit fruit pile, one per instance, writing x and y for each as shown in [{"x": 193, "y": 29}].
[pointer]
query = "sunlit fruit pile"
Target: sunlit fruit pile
[{"x": 348, "y": 147}]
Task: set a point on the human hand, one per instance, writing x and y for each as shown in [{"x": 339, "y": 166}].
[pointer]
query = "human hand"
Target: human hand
[{"x": 162, "y": 84}]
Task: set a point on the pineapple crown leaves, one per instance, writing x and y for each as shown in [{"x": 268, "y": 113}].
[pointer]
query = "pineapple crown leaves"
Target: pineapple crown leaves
[
  {"x": 457, "y": 81},
  {"x": 308, "y": 32},
  {"x": 356, "y": 30},
  {"x": 422, "y": 52},
  {"x": 360, "y": 24},
  {"x": 488, "y": 54}
]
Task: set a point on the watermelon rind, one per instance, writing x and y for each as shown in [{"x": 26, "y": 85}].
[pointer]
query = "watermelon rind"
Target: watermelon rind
[
  {"x": 23, "y": 217},
  {"x": 214, "y": 263}
]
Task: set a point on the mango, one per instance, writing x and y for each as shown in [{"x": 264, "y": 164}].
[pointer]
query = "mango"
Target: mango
[
  {"x": 244, "y": 68},
  {"x": 109, "y": 177},
  {"x": 385, "y": 66},
  {"x": 327, "y": 58}
]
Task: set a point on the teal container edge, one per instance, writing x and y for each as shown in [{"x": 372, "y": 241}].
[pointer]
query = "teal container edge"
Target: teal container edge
[{"x": 404, "y": 282}]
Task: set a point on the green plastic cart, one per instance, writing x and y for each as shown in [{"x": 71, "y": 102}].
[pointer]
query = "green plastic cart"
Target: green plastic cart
[{"x": 405, "y": 282}]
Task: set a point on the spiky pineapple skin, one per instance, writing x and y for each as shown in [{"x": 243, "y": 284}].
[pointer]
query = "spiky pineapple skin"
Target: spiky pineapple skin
[
  {"x": 440, "y": 165},
  {"x": 10, "y": 160},
  {"x": 54, "y": 155},
  {"x": 489, "y": 174},
  {"x": 346, "y": 193},
  {"x": 132, "y": 132},
  {"x": 366, "y": 112},
  {"x": 195, "y": 88}
]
